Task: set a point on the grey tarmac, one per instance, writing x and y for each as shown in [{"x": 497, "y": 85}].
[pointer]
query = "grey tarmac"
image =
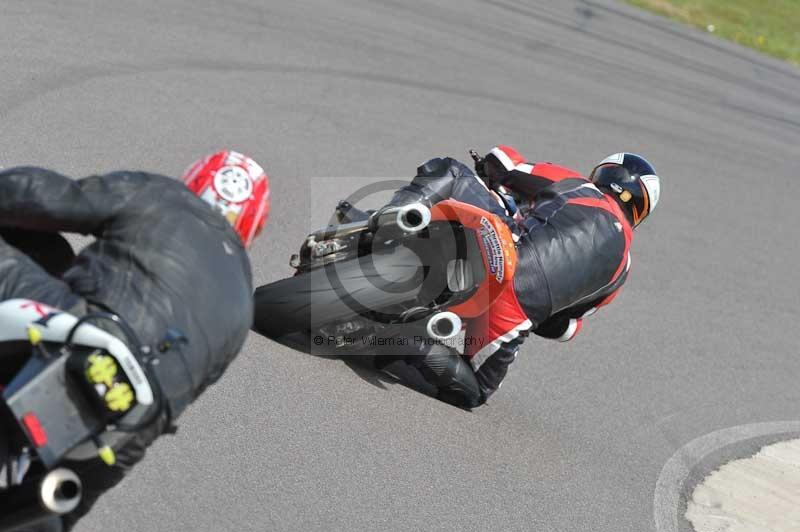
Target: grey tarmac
[{"x": 703, "y": 337}]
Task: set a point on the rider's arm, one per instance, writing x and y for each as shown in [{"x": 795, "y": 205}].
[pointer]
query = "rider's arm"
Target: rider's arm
[
  {"x": 446, "y": 178},
  {"x": 560, "y": 327},
  {"x": 506, "y": 166},
  {"x": 42, "y": 200},
  {"x": 565, "y": 325}
]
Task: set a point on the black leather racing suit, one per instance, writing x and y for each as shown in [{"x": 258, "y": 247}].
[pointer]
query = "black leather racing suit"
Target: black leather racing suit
[
  {"x": 161, "y": 260},
  {"x": 573, "y": 256}
]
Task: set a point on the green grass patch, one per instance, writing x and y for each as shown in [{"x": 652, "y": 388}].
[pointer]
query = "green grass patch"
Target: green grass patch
[{"x": 770, "y": 26}]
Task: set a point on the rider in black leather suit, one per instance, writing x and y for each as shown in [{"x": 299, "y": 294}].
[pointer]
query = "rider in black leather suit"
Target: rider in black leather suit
[
  {"x": 573, "y": 238},
  {"x": 162, "y": 260}
]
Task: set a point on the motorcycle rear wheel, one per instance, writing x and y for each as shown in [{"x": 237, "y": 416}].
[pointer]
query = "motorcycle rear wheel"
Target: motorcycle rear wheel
[{"x": 338, "y": 291}]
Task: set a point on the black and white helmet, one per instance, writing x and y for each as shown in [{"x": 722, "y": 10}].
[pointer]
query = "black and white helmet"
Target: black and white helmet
[{"x": 632, "y": 180}]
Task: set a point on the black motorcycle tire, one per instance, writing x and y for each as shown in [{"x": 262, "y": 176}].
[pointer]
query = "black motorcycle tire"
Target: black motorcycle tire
[{"x": 337, "y": 292}]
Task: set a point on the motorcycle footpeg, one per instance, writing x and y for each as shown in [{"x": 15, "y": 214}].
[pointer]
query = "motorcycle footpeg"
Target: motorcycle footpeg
[{"x": 346, "y": 212}]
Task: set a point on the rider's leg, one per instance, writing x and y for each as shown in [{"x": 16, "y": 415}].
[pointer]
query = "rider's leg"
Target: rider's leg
[
  {"x": 97, "y": 477},
  {"x": 440, "y": 179},
  {"x": 444, "y": 368},
  {"x": 22, "y": 277}
]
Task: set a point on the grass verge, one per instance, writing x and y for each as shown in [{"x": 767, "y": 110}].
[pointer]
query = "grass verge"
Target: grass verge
[{"x": 770, "y": 26}]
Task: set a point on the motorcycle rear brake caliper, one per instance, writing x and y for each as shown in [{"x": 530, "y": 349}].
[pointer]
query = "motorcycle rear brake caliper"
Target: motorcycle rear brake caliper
[{"x": 320, "y": 249}]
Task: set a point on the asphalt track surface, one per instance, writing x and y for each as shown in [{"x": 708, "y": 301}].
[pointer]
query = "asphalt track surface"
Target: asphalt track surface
[{"x": 704, "y": 336}]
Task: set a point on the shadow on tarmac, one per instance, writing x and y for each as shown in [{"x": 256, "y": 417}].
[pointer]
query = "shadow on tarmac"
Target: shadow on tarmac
[{"x": 376, "y": 370}]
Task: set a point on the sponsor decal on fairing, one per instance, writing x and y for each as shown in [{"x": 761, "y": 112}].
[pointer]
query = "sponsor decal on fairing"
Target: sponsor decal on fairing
[{"x": 494, "y": 250}]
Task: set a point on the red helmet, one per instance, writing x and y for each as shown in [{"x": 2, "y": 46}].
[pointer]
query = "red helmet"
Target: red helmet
[{"x": 235, "y": 186}]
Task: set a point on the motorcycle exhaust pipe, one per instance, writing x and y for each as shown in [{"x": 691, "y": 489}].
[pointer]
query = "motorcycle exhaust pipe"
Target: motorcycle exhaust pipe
[
  {"x": 411, "y": 218},
  {"x": 34, "y": 503},
  {"x": 443, "y": 326},
  {"x": 60, "y": 491}
]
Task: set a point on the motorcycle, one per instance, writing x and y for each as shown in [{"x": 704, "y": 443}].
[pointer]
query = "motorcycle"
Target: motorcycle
[
  {"x": 66, "y": 384},
  {"x": 410, "y": 271}
]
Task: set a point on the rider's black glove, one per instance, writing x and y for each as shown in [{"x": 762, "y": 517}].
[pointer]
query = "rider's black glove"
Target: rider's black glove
[
  {"x": 489, "y": 169},
  {"x": 480, "y": 163}
]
